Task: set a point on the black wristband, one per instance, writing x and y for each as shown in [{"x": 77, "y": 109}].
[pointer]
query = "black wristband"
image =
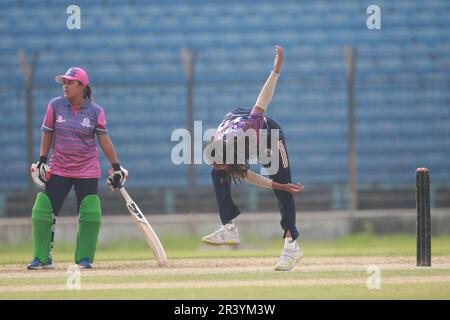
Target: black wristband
[
  {"x": 43, "y": 159},
  {"x": 116, "y": 166}
]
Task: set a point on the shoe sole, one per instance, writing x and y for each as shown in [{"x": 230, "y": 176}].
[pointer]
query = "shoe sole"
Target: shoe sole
[
  {"x": 215, "y": 244},
  {"x": 46, "y": 267}
]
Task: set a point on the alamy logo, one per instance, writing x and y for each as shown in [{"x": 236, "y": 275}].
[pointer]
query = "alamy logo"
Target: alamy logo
[
  {"x": 373, "y": 22},
  {"x": 60, "y": 119},
  {"x": 245, "y": 148},
  {"x": 73, "y": 277},
  {"x": 74, "y": 20},
  {"x": 86, "y": 123},
  {"x": 374, "y": 280}
]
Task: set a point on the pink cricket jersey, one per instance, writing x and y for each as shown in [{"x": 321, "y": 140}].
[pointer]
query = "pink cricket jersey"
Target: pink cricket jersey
[
  {"x": 74, "y": 152},
  {"x": 239, "y": 121}
]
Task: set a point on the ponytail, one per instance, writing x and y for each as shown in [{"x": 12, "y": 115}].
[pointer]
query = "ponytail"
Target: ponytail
[
  {"x": 88, "y": 92},
  {"x": 236, "y": 172}
]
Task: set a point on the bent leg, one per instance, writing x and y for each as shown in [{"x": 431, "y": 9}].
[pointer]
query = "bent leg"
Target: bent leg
[
  {"x": 227, "y": 209},
  {"x": 285, "y": 199}
]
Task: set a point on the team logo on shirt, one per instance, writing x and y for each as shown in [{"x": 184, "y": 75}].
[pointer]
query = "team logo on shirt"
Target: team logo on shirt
[
  {"x": 86, "y": 123},
  {"x": 228, "y": 127},
  {"x": 60, "y": 119}
]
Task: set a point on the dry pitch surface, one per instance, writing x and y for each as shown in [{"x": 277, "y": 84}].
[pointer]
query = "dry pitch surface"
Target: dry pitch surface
[{"x": 231, "y": 273}]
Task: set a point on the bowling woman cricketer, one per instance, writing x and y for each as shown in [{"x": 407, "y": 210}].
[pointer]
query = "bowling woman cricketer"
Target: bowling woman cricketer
[{"x": 234, "y": 124}]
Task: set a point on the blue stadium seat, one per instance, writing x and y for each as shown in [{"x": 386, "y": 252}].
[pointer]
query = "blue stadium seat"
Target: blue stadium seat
[{"x": 132, "y": 53}]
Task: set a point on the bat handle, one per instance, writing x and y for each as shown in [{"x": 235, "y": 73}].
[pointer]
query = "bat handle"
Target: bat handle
[{"x": 125, "y": 195}]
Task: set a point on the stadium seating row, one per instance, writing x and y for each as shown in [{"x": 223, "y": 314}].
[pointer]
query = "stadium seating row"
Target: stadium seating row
[{"x": 131, "y": 50}]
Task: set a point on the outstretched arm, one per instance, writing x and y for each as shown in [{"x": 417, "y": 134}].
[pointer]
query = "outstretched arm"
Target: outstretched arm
[{"x": 268, "y": 89}]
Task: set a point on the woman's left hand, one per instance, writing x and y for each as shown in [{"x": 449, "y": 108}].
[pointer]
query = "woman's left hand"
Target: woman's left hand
[{"x": 117, "y": 177}]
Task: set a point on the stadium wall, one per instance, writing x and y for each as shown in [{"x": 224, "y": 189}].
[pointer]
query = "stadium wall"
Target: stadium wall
[{"x": 312, "y": 225}]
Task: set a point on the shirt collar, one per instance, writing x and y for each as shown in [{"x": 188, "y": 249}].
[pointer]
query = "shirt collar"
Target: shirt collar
[{"x": 83, "y": 105}]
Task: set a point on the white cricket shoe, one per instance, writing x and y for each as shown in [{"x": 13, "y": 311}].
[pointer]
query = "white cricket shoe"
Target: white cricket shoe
[
  {"x": 289, "y": 258},
  {"x": 224, "y": 236}
]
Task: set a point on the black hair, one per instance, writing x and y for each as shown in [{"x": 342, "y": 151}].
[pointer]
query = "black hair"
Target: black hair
[
  {"x": 235, "y": 171},
  {"x": 88, "y": 92}
]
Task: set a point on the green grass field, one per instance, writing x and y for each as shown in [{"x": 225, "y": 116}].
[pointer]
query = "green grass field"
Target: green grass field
[{"x": 329, "y": 270}]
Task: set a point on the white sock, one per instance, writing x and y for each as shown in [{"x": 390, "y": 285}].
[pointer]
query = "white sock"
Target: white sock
[
  {"x": 289, "y": 243},
  {"x": 230, "y": 225}
]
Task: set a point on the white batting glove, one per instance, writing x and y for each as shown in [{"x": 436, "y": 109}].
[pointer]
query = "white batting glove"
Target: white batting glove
[
  {"x": 40, "y": 172},
  {"x": 118, "y": 175}
]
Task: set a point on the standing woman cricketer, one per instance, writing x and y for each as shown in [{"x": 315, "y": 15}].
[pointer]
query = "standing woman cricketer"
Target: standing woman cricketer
[
  {"x": 234, "y": 124},
  {"x": 70, "y": 125}
]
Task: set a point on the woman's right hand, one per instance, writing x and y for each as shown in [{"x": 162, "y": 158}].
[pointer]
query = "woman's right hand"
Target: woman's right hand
[
  {"x": 40, "y": 172},
  {"x": 278, "y": 59},
  {"x": 293, "y": 188}
]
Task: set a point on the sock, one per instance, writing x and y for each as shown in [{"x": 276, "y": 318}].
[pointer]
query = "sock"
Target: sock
[
  {"x": 289, "y": 243},
  {"x": 230, "y": 225}
]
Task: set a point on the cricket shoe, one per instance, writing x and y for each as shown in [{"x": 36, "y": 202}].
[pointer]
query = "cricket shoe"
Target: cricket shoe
[
  {"x": 37, "y": 264},
  {"x": 224, "y": 236},
  {"x": 289, "y": 258},
  {"x": 85, "y": 263}
]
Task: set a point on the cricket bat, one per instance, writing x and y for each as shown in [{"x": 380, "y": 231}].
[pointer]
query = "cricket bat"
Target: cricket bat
[{"x": 149, "y": 234}]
